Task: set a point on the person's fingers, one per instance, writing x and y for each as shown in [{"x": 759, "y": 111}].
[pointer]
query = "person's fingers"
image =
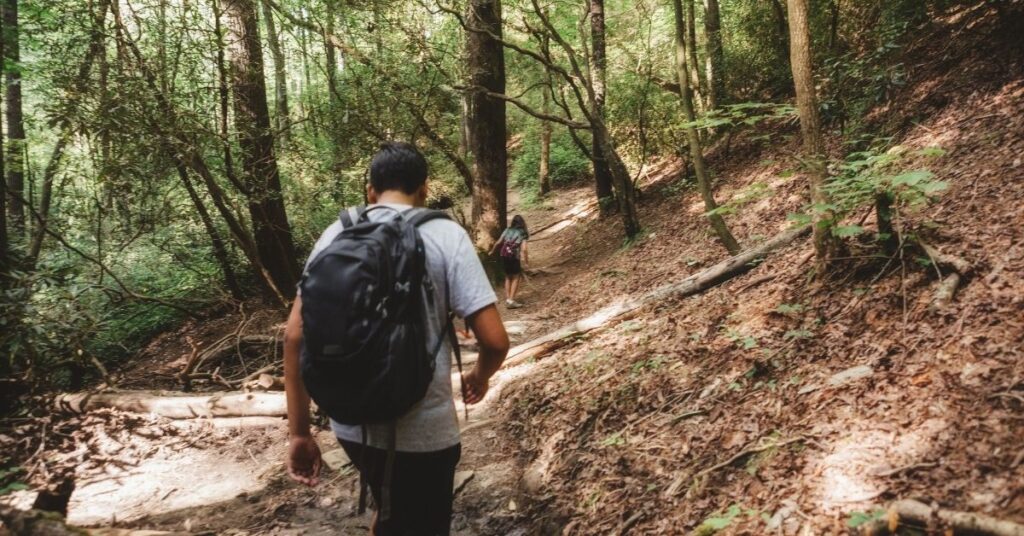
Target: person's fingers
[{"x": 297, "y": 476}]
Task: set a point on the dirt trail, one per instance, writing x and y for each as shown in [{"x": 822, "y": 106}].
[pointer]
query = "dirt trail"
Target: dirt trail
[{"x": 145, "y": 472}]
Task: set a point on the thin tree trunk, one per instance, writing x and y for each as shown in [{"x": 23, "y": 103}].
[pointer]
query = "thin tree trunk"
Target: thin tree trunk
[
  {"x": 715, "y": 59},
  {"x": 271, "y": 229},
  {"x": 224, "y": 99},
  {"x": 486, "y": 118},
  {"x": 696, "y": 152},
  {"x": 307, "y": 81},
  {"x": 15, "y": 167},
  {"x": 5, "y": 240},
  {"x": 46, "y": 197},
  {"x": 545, "y": 140},
  {"x": 781, "y": 31},
  {"x": 282, "y": 116},
  {"x": 463, "y": 150},
  {"x": 335, "y": 100},
  {"x": 598, "y": 74},
  {"x": 220, "y": 250},
  {"x": 810, "y": 129},
  {"x": 833, "y": 32},
  {"x": 692, "y": 65}
]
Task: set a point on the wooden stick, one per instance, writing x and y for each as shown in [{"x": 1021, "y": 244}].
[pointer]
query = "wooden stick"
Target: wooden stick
[{"x": 910, "y": 512}]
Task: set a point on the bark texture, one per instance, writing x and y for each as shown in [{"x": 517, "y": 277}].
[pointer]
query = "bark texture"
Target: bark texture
[
  {"x": 696, "y": 151},
  {"x": 486, "y": 121},
  {"x": 598, "y": 73},
  {"x": 810, "y": 128},
  {"x": 271, "y": 230}
]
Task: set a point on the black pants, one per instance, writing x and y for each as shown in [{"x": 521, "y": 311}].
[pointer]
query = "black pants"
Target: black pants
[{"x": 421, "y": 488}]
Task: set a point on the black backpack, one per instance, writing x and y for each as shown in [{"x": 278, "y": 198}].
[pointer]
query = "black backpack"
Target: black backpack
[{"x": 366, "y": 301}]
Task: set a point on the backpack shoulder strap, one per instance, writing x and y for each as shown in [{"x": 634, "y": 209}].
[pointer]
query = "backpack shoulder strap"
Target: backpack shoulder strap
[
  {"x": 349, "y": 216},
  {"x": 419, "y": 216}
]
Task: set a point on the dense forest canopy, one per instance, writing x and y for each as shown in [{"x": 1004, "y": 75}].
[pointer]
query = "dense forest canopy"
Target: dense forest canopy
[{"x": 166, "y": 156}]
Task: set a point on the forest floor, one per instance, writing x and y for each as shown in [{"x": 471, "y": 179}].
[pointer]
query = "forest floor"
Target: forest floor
[{"x": 772, "y": 403}]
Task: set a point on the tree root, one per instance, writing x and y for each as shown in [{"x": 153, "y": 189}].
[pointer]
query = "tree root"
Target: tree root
[{"x": 915, "y": 514}]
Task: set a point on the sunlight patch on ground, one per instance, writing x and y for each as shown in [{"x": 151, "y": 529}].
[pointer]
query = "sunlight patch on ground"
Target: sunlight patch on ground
[
  {"x": 169, "y": 480},
  {"x": 852, "y": 474},
  {"x": 579, "y": 212}
]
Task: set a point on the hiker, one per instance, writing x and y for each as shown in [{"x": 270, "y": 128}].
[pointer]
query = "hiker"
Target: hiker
[
  {"x": 514, "y": 258},
  {"x": 408, "y": 461}
]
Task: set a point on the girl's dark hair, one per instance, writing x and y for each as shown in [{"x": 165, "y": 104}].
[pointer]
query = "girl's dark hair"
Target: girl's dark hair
[{"x": 519, "y": 223}]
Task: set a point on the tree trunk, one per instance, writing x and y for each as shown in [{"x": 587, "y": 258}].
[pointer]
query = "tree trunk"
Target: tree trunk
[
  {"x": 781, "y": 31},
  {"x": 810, "y": 129},
  {"x": 696, "y": 152},
  {"x": 545, "y": 140},
  {"x": 625, "y": 194},
  {"x": 335, "y": 105},
  {"x": 715, "y": 59},
  {"x": 598, "y": 74},
  {"x": 692, "y": 65},
  {"x": 4, "y": 238},
  {"x": 833, "y": 32},
  {"x": 220, "y": 251},
  {"x": 271, "y": 230},
  {"x": 486, "y": 118},
  {"x": 282, "y": 116},
  {"x": 15, "y": 166},
  {"x": 224, "y": 99}
]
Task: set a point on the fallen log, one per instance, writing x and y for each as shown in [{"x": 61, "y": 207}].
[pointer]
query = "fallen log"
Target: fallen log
[
  {"x": 176, "y": 405},
  {"x": 914, "y": 514},
  {"x": 947, "y": 288},
  {"x": 693, "y": 284}
]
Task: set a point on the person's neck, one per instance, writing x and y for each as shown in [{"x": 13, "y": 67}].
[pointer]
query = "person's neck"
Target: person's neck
[{"x": 397, "y": 197}]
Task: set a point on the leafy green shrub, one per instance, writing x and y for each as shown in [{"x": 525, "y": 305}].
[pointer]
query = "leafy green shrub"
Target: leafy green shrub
[{"x": 566, "y": 165}]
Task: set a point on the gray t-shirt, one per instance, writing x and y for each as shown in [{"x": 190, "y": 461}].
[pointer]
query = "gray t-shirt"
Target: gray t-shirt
[{"x": 455, "y": 269}]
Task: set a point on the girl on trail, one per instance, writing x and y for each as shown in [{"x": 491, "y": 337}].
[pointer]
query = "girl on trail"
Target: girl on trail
[{"x": 514, "y": 258}]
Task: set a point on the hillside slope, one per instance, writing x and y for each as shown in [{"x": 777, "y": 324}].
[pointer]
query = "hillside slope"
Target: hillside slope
[{"x": 832, "y": 398}]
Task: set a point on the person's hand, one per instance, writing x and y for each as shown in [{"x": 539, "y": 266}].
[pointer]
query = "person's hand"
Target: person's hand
[
  {"x": 304, "y": 460},
  {"x": 476, "y": 386}
]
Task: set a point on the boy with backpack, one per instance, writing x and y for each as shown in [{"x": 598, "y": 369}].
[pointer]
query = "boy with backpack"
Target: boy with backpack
[{"x": 369, "y": 338}]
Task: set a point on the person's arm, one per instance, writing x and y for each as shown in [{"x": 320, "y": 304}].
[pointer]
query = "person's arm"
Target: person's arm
[
  {"x": 493, "y": 341},
  {"x": 303, "y": 452},
  {"x": 497, "y": 244},
  {"x": 526, "y": 256}
]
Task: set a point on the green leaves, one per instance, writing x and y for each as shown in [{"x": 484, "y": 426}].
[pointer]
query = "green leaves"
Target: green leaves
[
  {"x": 718, "y": 521},
  {"x": 846, "y": 231},
  {"x": 858, "y": 518}
]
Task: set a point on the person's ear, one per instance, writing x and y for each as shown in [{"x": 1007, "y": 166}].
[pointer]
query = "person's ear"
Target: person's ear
[
  {"x": 371, "y": 194},
  {"x": 421, "y": 194}
]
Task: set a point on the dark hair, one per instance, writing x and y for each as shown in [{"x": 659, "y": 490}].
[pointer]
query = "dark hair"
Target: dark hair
[
  {"x": 519, "y": 223},
  {"x": 398, "y": 166}
]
